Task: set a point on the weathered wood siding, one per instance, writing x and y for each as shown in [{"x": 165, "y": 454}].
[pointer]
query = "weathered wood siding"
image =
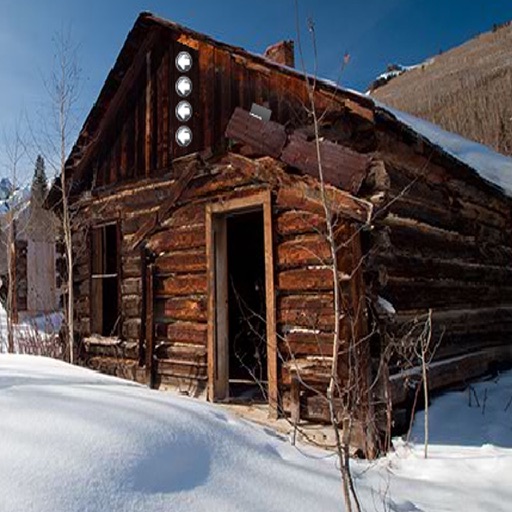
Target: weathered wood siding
[
  {"x": 443, "y": 242},
  {"x": 136, "y": 135},
  {"x": 129, "y": 206},
  {"x": 303, "y": 281}
]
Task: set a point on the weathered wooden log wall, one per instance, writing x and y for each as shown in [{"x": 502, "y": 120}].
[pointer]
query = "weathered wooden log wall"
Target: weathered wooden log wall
[
  {"x": 302, "y": 277},
  {"x": 441, "y": 239},
  {"x": 130, "y": 207},
  {"x": 444, "y": 241}
]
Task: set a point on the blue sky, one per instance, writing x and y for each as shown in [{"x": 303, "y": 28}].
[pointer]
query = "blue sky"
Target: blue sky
[{"x": 374, "y": 33}]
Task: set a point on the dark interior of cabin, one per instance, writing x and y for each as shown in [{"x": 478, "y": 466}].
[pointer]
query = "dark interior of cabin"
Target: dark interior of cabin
[
  {"x": 105, "y": 279},
  {"x": 246, "y": 303},
  {"x": 110, "y": 282}
]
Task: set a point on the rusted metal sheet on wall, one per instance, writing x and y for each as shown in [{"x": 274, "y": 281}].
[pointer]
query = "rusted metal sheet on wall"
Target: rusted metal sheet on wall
[{"x": 341, "y": 167}]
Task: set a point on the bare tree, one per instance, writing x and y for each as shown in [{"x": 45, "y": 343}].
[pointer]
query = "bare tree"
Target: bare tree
[
  {"x": 15, "y": 150},
  {"x": 415, "y": 351},
  {"x": 63, "y": 90},
  {"x": 342, "y": 402}
]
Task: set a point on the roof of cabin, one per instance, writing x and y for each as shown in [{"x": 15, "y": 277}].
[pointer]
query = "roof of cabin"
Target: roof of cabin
[{"x": 493, "y": 168}]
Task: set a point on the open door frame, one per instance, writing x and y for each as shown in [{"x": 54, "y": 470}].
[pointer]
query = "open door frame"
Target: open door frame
[{"x": 216, "y": 238}]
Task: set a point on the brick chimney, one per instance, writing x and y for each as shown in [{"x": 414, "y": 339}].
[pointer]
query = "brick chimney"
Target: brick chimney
[{"x": 282, "y": 53}]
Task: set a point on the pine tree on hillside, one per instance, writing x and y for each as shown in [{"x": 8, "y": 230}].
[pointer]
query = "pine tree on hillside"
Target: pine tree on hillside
[{"x": 39, "y": 188}]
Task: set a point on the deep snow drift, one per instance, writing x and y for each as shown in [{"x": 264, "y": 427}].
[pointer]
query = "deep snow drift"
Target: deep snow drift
[{"x": 73, "y": 440}]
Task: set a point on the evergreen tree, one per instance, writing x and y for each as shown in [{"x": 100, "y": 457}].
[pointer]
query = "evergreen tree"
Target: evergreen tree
[{"x": 39, "y": 188}]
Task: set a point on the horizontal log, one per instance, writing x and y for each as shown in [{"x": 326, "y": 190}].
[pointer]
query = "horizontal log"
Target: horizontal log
[
  {"x": 304, "y": 250},
  {"x": 309, "y": 311},
  {"x": 180, "y": 368},
  {"x": 181, "y": 284},
  {"x": 421, "y": 240},
  {"x": 173, "y": 239},
  {"x": 131, "y": 328},
  {"x": 131, "y": 306},
  {"x": 182, "y": 308},
  {"x": 131, "y": 266},
  {"x": 224, "y": 181},
  {"x": 311, "y": 279},
  {"x": 294, "y": 222},
  {"x": 455, "y": 178},
  {"x": 183, "y": 332},
  {"x": 132, "y": 222},
  {"x": 187, "y": 215},
  {"x": 122, "y": 350},
  {"x": 131, "y": 286},
  {"x": 457, "y": 370},
  {"x": 181, "y": 262},
  {"x": 123, "y": 368},
  {"x": 304, "y": 342},
  {"x": 452, "y": 219},
  {"x": 457, "y": 319},
  {"x": 406, "y": 293},
  {"x": 403, "y": 265},
  {"x": 177, "y": 350},
  {"x": 190, "y": 386},
  {"x": 306, "y": 198},
  {"x": 312, "y": 371}
]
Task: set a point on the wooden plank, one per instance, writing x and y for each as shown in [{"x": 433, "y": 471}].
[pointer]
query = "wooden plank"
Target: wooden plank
[
  {"x": 220, "y": 241},
  {"x": 341, "y": 166},
  {"x": 138, "y": 65},
  {"x": 207, "y": 94},
  {"x": 148, "y": 116},
  {"x": 268, "y": 137},
  {"x": 173, "y": 194},
  {"x": 149, "y": 327},
  {"x": 210, "y": 276},
  {"x": 270, "y": 296}
]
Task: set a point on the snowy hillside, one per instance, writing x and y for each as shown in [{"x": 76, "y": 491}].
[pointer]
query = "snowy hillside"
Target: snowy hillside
[{"x": 73, "y": 440}]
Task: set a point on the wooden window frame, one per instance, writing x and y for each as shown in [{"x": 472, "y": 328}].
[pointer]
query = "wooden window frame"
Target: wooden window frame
[
  {"x": 92, "y": 309},
  {"x": 263, "y": 201}
]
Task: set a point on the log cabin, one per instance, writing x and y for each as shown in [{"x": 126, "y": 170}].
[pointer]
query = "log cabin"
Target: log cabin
[{"x": 201, "y": 257}]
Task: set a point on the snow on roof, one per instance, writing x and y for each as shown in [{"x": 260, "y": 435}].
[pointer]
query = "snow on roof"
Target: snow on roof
[{"x": 493, "y": 167}]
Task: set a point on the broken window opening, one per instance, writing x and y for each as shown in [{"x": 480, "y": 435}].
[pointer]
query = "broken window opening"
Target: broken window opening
[{"x": 105, "y": 317}]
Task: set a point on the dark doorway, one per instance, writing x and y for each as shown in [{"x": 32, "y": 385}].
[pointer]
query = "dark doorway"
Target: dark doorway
[{"x": 246, "y": 306}]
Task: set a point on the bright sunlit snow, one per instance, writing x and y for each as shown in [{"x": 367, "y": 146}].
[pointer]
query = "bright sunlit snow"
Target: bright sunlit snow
[
  {"x": 493, "y": 167},
  {"x": 73, "y": 440}
]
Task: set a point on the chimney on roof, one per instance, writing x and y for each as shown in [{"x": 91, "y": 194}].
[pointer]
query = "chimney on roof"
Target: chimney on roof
[{"x": 282, "y": 53}]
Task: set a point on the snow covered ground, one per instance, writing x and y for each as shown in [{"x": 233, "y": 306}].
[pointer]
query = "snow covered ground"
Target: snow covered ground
[
  {"x": 74, "y": 440},
  {"x": 34, "y": 335}
]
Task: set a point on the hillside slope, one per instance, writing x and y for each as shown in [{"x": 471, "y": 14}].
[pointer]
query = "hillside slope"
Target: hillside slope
[{"x": 467, "y": 90}]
